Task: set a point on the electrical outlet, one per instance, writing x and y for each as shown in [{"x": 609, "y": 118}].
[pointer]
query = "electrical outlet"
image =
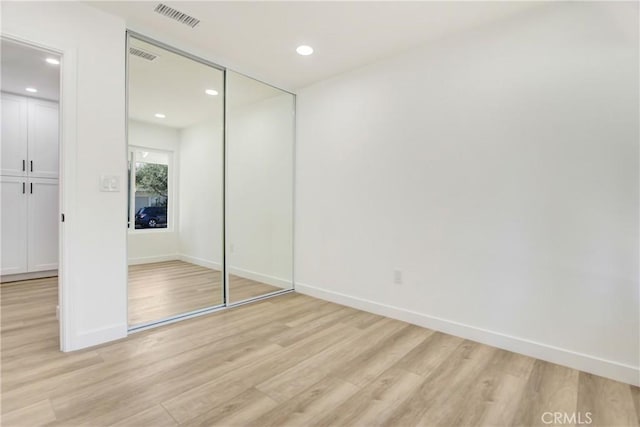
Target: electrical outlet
[{"x": 397, "y": 277}]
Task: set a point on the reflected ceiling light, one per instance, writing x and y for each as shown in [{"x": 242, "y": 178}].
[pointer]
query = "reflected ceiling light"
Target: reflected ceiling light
[
  {"x": 304, "y": 50},
  {"x": 160, "y": 115},
  {"x": 211, "y": 92},
  {"x": 53, "y": 61},
  {"x": 31, "y": 89}
]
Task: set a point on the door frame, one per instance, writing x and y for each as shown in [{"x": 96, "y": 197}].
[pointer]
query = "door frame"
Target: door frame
[{"x": 67, "y": 147}]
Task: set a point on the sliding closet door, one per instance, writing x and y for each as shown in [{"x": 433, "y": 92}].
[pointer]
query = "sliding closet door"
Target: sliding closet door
[
  {"x": 176, "y": 167},
  {"x": 259, "y": 210}
]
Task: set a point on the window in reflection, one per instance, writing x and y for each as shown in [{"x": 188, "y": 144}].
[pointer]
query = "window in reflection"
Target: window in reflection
[{"x": 150, "y": 188}]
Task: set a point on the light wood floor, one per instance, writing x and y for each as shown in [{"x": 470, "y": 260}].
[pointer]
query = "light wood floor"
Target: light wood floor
[
  {"x": 290, "y": 360},
  {"x": 165, "y": 289}
]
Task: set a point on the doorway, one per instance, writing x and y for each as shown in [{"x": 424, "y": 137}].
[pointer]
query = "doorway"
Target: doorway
[{"x": 30, "y": 189}]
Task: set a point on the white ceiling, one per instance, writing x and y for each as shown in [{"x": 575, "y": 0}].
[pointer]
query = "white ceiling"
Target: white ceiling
[
  {"x": 25, "y": 66},
  {"x": 260, "y": 38}
]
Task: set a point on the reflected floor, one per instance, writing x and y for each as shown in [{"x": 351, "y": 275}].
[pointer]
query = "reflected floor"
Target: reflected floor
[
  {"x": 164, "y": 289},
  {"x": 241, "y": 289}
]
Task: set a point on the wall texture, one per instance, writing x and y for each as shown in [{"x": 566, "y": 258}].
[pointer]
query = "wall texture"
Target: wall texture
[
  {"x": 498, "y": 172},
  {"x": 93, "y": 271}
]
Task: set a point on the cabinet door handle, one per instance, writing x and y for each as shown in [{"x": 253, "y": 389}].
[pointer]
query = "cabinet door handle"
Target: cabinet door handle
[
  {"x": 31, "y": 165},
  {"x": 23, "y": 188},
  {"x": 31, "y": 187},
  {"x": 24, "y": 165}
]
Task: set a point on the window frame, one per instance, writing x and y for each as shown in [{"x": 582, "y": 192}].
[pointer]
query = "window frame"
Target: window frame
[{"x": 171, "y": 200}]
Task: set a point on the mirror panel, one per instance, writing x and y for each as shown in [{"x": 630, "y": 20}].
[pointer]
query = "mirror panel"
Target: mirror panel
[
  {"x": 259, "y": 192},
  {"x": 175, "y": 219}
]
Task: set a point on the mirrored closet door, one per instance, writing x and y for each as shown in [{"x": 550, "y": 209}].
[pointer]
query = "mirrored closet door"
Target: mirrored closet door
[
  {"x": 259, "y": 209},
  {"x": 176, "y": 170}
]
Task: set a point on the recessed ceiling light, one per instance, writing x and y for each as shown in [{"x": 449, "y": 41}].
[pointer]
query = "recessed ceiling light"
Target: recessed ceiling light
[
  {"x": 304, "y": 50},
  {"x": 31, "y": 89},
  {"x": 211, "y": 92},
  {"x": 53, "y": 61},
  {"x": 160, "y": 115}
]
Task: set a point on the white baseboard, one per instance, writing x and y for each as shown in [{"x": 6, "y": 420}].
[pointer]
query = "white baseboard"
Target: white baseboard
[
  {"x": 28, "y": 276},
  {"x": 200, "y": 261},
  {"x": 176, "y": 257},
  {"x": 583, "y": 362},
  {"x": 259, "y": 277},
  {"x": 97, "y": 336},
  {"x": 152, "y": 259}
]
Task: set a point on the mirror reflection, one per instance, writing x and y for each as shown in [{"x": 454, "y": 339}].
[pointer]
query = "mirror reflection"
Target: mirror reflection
[
  {"x": 175, "y": 224},
  {"x": 259, "y": 219}
]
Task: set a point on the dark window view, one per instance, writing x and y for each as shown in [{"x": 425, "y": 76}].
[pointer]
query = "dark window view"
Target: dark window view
[{"x": 151, "y": 196}]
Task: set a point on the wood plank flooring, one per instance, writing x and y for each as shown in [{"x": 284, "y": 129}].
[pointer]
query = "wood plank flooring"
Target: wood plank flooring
[
  {"x": 165, "y": 289},
  {"x": 290, "y": 360}
]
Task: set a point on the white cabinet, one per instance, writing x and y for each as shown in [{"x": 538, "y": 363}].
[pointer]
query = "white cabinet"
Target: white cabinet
[
  {"x": 14, "y": 135},
  {"x": 29, "y": 137},
  {"x": 29, "y": 185},
  {"x": 42, "y": 214},
  {"x": 14, "y": 224},
  {"x": 42, "y": 153},
  {"x": 29, "y": 224}
]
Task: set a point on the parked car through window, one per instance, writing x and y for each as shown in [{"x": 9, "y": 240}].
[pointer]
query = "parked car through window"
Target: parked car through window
[{"x": 151, "y": 217}]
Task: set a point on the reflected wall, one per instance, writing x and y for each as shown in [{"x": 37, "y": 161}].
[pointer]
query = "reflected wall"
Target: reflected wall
[{"x": 259, "y": 192}]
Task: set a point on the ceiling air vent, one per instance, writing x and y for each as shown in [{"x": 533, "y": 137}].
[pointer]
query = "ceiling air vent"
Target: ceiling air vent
[
  {"x": 176, "y": 15},
  {"x": 142, "y": 54}
]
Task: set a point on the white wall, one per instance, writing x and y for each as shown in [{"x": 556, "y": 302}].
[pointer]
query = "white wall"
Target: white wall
[
  {"x": 93, "y": 272},
  {"x": 161, "y": 244},
  {"x": 259, "y": 170},
  {"x": 201, "y": 166},
  {"x": 498, "y": 170}
]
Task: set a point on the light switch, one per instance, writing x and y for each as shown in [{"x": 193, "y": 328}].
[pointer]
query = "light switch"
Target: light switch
[{"x": 109, "y": 183}]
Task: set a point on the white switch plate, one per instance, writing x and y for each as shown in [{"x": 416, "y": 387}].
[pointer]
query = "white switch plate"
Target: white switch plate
[{"x": 109, "y": 183}]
